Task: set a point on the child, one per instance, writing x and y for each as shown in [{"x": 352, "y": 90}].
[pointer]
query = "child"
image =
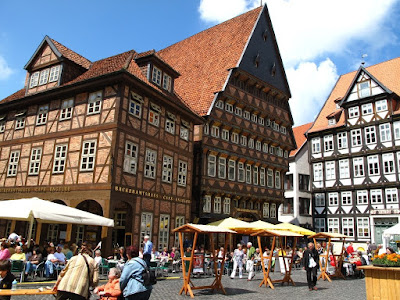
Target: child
[
  {"x": 6, "y": 278},
  {"x": 111, "y": 289}
]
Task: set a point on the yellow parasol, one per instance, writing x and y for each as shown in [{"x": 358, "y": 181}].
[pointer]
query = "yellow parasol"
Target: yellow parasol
[
  {"x": 293, "y": 228},
  {"x": 262, "y": 225},
  {"x": 234, "y": 224}
]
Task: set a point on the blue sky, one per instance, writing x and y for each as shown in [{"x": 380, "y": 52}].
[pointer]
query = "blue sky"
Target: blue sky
[{"x": 318, "y": 39}]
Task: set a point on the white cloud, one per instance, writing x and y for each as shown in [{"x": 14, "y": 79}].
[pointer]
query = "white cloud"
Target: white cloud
[
  {"x": 5, "y": 70},
  {"x": 221, "y": 10},
  {"x": 310, "y": 85}
]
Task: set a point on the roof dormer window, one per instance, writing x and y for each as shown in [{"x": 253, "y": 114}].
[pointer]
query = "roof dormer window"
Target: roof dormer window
[
  {"x": 364, "y": 89},
  {"x": 45, "y": 76},
  {"x": 54, "y": 73},
  {"x": 167, "y": 80},
  {"x": 34, "y": 80},
  {"x": 156, "y": 76}
]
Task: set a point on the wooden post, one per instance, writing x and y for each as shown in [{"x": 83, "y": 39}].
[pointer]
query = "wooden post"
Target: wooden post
[
  {"x": 68, "y": 233},
  {"x": 38, "y": 232},
  {"x": 266, "y": 279},
  {"x": 12, "y": 227}
]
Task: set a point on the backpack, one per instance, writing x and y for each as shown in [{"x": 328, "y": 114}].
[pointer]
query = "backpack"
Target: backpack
[{"x": 148, "y": 275}]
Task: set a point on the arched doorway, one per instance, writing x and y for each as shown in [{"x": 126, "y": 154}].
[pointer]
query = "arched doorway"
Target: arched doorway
[
  {"x": 122, "y": 231},
  {"x": 87, "y": 233}
]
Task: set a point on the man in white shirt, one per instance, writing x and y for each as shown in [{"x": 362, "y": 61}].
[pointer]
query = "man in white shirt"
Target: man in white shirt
[{"x": 54, "y": 260}]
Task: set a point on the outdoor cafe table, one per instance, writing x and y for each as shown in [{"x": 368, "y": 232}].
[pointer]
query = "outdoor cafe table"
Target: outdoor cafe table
[
  {"x": 21, "y": 292},
  {"x": 288, "y": 269},
  {"x": 196, "y": 229},
  {"x": 338, "y": 258}
]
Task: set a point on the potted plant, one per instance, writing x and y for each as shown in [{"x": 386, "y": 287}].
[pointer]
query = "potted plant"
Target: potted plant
[{"x": 386, "y": 260}]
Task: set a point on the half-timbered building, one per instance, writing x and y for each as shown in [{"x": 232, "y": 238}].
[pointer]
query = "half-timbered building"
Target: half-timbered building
[
  {"x": 110, "y": 137},
  {"x": 233, "y": 76},
  {"x": 354, "y": 152}
]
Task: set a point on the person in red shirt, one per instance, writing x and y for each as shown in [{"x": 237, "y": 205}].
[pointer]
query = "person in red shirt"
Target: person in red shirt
[{"x": 350, "y": 249}]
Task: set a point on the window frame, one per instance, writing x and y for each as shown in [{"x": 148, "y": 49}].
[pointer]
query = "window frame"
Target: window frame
[
  {"x": 60, "y": 158},
  {"x": 381, "y": 105},
  {"x": 370, "y": 135},
  {"x": 342, "y": 140},
  {"x": 88, "y": 160},
  {"x": 182, "y": 173},
  {"x": 211, "y": 165},
  {"x": 150, "y": 164},
  {"x": 385, "y": 132},
  {"x": 356, "y": 135},
  {"x": 13, "y": 163},
  {"x": 41, "y": 117},
  {"x": 328, "y": 143},
  {"x": 67, "y": 109},
  {"x": 156, "y": 75},
  {"x": 130, "y": 157},
  {"x": 167, "y": 168},
  {"x": 35, "y": 161}
]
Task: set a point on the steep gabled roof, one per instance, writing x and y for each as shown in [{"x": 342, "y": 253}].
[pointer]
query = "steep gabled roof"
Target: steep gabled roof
[
  {"x": 204, "y": 59},
  {"x": 299, "y": 135},
  {"x": 388, "y": 73}
]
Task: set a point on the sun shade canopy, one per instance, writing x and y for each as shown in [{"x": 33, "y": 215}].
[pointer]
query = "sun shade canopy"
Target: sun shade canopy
[
  {"x": 272, "y": 232},
  {"x": 293, "y": 228},
  {"x": 202, "y": 229},
  {"x": 321, "y": 235}
]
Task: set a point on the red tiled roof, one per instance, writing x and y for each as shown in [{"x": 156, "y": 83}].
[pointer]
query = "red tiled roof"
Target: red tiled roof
[
  {"x": 299, "y": 136},
  {"x": 71, "y": 55},
  {"x": 388, "y": 73},
  {"x": 204, "y": 59},
  {"x": 17, "y": 95}
]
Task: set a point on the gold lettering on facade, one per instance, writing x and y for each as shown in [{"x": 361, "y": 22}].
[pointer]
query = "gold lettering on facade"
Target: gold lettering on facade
[
  {"x": 151, "y": 194},
  {"x": 39, "y": 189}
]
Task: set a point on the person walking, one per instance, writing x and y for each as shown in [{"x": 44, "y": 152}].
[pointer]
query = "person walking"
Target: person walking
[
  {"x": 80, "y": 273},
  {"x": 238, "y": 261},
  {"x": 310, "y": 264},
  {"x": 147, "y": 249},
  {"x": 250, "y": 261},
  {"x": 131, "y": 281}
]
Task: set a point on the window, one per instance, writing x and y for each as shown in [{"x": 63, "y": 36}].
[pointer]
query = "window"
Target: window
[
  {"x": 283, "y": 130},
  {"x": 238, "y": 111},
  {"x": 319, "y": 225},
  {"x": 150, "y": 164},
  {"x": 163, "y": 234},
  {"x": 170, "y": 123},
  {"x": 235, "y": 137},
  {"x": 320, "y": 200},
  {"x": 34, "y": 80},
  {"x": 262, "y": 176},
  {"x": 167, "y": 168},
  {"x": 260, "y": 120},
  {"x": 381, "y": 105},
  {"x": 215, "y": 131},
  {"x": 246, "y": 115},
  {"x": 34, "y": 164},
  {"x": 362, "y": 197},
  {"x": 146, "y": 225},
  {"x": 42, "y": 115},
  {"x": 354, "y": 112},
  {"x": 304, "y": 183},
  {"x": 254, "y": 118},
  {"x": 241, "y": 176},
  {"x": 344, "y": 168},
  {"x": 229, "y": 107},
  {"x": 243, "y": 140},
  {"x": 346, "y": 198},
  {"x": 333, "y": 199},
  {"x": 328, "y": 142},
  {"x": 154, "y": 114},
  {"x": 376, "y": 196},
  {"x": 227, "y": 206},
  {"x": 356, "y": 137},
  {"x": 277, "y": 179},
  {"x": 182, "y": 173},
  {"x": 222, "y": 167},
  {"x": 211, "y": 167},
  {"x": 2, "y": 126},
  {"x": 366, "y": 109},
  {"x": 67, "y": 107},
  {"x": 156, "y": 77},
  {"x": 225, "y": 134},
  {"x": 248, "y": 174},
  {"x": 179, "y": 221},
  {"x": 255, "y": 175},
  {"x": 272, "y": 212},
  {"x": 370, "y": 135},
  {"x": 184, "y": 133},
  {"x": 258, "y": 145},
  {"x": 348, "y": 226},
  {"x": 52, "y": 232},
  {"x": 60, "y": 156},
  {"x": 94, "y": 103},
  {"x": 385, "y": 132},
  {"x": 358, "y": 165},
  {"x": 54, "y": 73},
  {"x": 19, "y": 123},
  {"x": 363, "y": 227},
  {"x": 207, "y": 203},
  {"x": 364, "y": 89},
  {"x": 330, "y": 170},
  {"x": 315, "y": 145},
  {"x": 331, "y": 121},
  {"x": 396, "y": 129},
  {"x": 265, "y": 148},
  {"x": 318, "y": 174},
  {"x": 251, "y": 143},
  {"x": 88, "y": 155},
  {"x": 388, "y": 163},
  {"x": 217, "y": 205},
  {"x": 391, "y": 195},
  {"x": 287, "y": 206},
  {"x": 270, "y": 178},
  {"x": 373, "y": 165},
  {"x": 167, "y": 82},
  {"x": 288, "y": 182},
  {"x": 130, "y": 157},
  {"x": 44, "y": 76},
  {"x": 333, "y": 225},
  {"x": 271, "y": 150},
  {"x": 266, "y": 210},
  {"x": 304, "y": 206},
  {"x": 342, "y": 140},
  {"x": 13, "y": 163},
  {"x": 275, "y": 126},
  {"x": 231, "y": 170}
]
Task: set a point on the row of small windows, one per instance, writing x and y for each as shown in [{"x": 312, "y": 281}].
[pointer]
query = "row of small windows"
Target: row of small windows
[
  {"x": 150, "y": 164},
  {"x": 375, "y": 166},
  {"x": 363, "y": 230},
  {"x": 251, "y": 143},
  {"x": 245, "y": 172},
  {"x": 367, "y": 109},
  {"x": 250, "y": 116},
  {"x": 363, "y": 197},
  {"x": 88, "y": 157},
  {"x": 356, "y": 136},
  {"x": 44, "y": 76},
  {"x": 161, "y": 79}
]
